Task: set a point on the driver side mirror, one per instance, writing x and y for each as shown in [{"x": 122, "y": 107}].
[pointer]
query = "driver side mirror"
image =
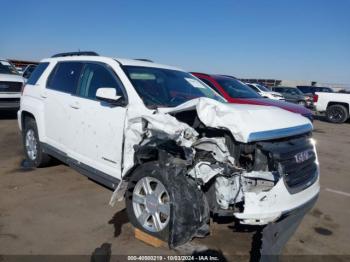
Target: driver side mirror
[{"x": 109, "y": 95}]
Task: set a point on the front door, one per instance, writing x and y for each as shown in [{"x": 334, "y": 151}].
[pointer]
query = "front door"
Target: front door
[{"x": 99, "y": 126}]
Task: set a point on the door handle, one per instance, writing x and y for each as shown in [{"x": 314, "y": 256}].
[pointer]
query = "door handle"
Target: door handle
[{"x": 75, "y": 105}]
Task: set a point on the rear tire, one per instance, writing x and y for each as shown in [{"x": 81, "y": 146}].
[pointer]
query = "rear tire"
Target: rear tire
[
  {"x": 32, "y": 147},
  {"x": 337, "y": 114}
]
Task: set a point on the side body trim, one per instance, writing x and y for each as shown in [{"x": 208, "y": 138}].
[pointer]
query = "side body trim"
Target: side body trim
[{"x": 90, "y": 172}]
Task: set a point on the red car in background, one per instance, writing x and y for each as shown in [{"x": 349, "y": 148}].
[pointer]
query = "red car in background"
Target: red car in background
[{"x": 234, "y": 91}]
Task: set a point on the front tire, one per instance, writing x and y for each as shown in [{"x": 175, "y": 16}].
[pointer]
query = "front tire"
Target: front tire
[
  {"x": 337, "y": 114},
  {"x": 180, "y": 198},
  {"x": 32, "y": 147},
  {"x": 148, "y": 201}
]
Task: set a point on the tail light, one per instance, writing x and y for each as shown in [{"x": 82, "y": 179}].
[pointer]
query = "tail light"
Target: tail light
[{"x": 315, "y": 98}]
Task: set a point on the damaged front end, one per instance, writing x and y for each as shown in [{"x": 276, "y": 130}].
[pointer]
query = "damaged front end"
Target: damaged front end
[{"x": 228, "y": 171}]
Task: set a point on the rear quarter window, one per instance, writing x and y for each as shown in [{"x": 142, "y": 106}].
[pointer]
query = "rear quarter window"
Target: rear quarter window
[{"x": 38, "y": 71}]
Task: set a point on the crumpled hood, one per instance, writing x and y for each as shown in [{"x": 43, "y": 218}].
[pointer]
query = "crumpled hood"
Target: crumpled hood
[
  {"x": 11, "y": 78},
  {"x": 247, "y": 123}
]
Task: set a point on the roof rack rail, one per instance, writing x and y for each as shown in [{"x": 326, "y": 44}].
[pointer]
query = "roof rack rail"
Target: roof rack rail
[
  {"x": 144, "y": 60},
  {"x": 80, "y": 53}
]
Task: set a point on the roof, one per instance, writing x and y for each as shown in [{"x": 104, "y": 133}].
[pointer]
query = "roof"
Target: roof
[{"x": 121, "y": 61}]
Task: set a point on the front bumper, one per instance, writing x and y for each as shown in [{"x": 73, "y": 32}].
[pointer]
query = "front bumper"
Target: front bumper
[
  {"x": 266, "y": 207},
  {"x": 9, "y": 103},
  {"x": 276, "y": 235},
  {"x": 9, "y": 100}
]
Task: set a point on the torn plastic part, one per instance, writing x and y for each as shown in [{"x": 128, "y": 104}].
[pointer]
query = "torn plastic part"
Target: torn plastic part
[
  {"x": 158, "y": 125},
  {"x": 217, "y": 146},
  {"x": 119, "y": 192},
  {"x": 228, "y": 191},
  {"x": 261, "y": 208},
  {"x": 274, "y": 236},
  {"x": 165, "y": 126},
  {"x": 258, "y": 181},
  {"x": 231, "y": 190},
  {"x": 133, "y": 135},
  {"x": 205, "y": 171}
]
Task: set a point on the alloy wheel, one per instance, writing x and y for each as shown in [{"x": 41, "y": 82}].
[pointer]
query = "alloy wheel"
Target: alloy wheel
[{"x": 151, "y": 204}]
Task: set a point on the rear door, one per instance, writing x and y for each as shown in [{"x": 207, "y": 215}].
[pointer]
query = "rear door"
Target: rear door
[
  {"x": 58, "y": 102},
  {"x": 97, "y": 140}
]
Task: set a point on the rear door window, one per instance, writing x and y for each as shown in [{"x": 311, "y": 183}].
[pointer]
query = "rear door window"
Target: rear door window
[
  {"x": 38, "y": 71},
  {"x": 65, "y": 77}
]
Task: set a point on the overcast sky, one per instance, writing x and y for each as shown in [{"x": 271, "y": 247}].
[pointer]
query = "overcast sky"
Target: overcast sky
[{"x": 283, "y": 39}]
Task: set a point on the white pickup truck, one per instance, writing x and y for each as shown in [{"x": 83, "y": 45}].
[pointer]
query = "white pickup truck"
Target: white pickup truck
[{"x": 334, "y": 105}]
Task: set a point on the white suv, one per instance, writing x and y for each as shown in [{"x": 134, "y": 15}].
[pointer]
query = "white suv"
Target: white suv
[{"x": 168, "y": 143}]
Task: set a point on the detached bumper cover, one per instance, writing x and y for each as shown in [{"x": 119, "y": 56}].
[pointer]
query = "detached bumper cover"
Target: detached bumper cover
[{"x": 276, "y": 235}]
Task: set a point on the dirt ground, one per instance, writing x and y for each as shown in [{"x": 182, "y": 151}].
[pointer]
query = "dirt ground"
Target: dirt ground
[{"x": 56, "y": 210}]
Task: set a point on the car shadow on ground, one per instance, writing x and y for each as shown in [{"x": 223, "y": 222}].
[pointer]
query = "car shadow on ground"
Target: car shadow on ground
[
  {"x": 118, "y": 220},
  {"x": 8, "y": 114}
]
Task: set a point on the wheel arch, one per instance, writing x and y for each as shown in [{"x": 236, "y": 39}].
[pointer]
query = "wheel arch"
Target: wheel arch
[
  {"x": 24, "y": 116},
  {"x": 331, "y": 103}
]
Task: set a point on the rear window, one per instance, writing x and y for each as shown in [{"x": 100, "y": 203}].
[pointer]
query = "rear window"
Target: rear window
[
  {"x": 65, "y": 77},
  {"x": 38, "y": 71}
]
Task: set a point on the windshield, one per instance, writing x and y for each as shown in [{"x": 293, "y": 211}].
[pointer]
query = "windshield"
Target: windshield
[
  {"x": 7, "y": 68},
  {"x": 160, "y": 87},
  {"x": 237, "y": 89}
]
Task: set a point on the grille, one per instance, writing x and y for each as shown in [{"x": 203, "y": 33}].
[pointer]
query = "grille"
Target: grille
[
  {"x": 296, "y": 160},
  {"x": 10, "y": 86}
]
